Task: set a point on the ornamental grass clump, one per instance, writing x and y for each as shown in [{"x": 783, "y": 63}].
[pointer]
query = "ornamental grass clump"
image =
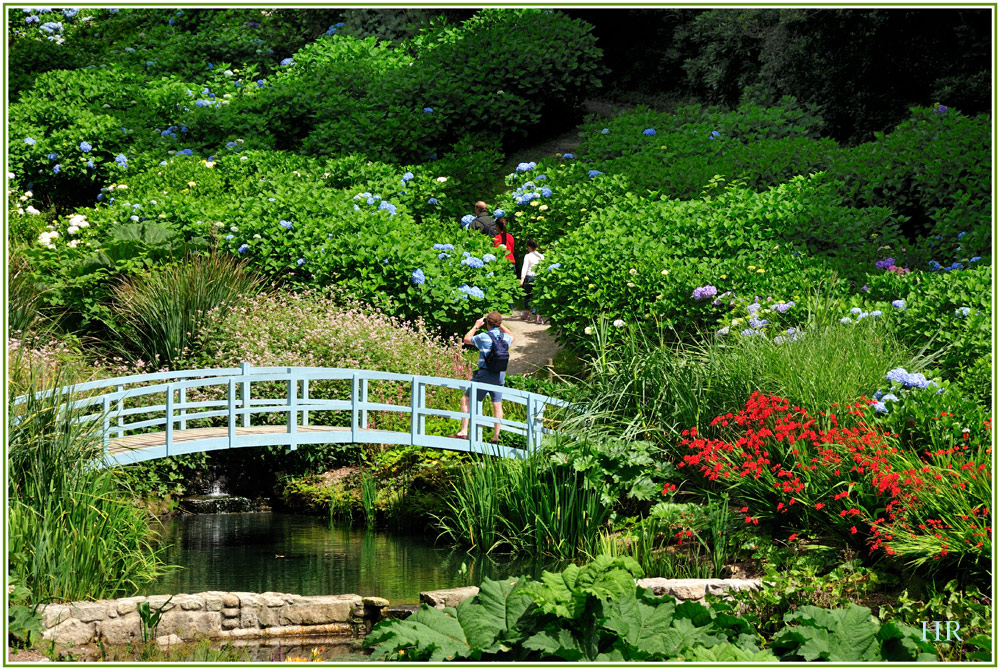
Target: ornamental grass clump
[{"x": 160, "y": 312}]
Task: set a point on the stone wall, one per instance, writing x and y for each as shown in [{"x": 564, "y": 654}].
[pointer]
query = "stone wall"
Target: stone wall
[
  {"x": 681, "y": 589},
  {"x": 212, "y": 615}
]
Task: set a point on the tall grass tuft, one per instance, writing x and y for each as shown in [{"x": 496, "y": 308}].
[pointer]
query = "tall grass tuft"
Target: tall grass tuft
[
  {"x": 24, "y": 298},
  {"x": 369, "y": 496},
  {"x": 529, "y": 506},
  {"x": 654, "y": 390},
  {"x": 161, "y": 311},
  {"x": 74, "y": 532}
]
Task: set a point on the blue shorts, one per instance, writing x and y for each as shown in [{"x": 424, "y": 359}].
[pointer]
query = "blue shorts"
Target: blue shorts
[{"x": 484, "y": 376}]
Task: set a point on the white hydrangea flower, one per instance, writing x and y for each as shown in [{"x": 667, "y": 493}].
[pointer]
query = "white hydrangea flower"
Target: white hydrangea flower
[
  {"x": 31, "y": 210},
  {"x": 618, "y": 323}
]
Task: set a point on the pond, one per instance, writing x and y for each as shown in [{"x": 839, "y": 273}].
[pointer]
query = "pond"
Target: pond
[{"x": 289, "y": 553}]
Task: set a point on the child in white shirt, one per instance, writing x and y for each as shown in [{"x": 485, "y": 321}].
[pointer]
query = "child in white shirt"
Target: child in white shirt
[{"x": 528, "y": 278}]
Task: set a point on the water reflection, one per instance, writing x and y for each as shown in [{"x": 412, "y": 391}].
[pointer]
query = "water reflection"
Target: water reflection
[{"x": 288, "y": 553}]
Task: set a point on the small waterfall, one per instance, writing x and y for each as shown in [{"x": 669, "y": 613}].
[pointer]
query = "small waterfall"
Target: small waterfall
[{"x": 215, "y": 500}]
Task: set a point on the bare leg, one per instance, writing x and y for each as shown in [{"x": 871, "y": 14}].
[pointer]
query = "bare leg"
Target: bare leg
[
  {"x": 464, "y": 432},
  {"x": 497, "y": 414}
]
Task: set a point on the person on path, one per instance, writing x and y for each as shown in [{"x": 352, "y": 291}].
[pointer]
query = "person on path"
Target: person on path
[
  {"x": 483, "y": 222},
  {"x": 505, "y": 239},
  {"x": 528, "y": 279},
  {"x": 482, "y": 375}
]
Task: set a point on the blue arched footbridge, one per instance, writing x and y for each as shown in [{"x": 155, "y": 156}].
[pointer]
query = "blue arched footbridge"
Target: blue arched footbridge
[{"x": 145, "y": 417}]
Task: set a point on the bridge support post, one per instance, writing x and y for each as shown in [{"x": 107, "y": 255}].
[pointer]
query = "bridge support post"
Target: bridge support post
[
  {"x": 474, "y": 407},
  {"x": 106, "y": 427},
  {"x": 415, "y": 408},
  {"x": 293, "y": 416},
  {"x": 231, "y": 396},
  {"x": 529, "y": 425},
  {"x": 363, "y": 421},
  {"x": 305, "y": 397},
  {"x": 182, "y": 399},
  {"x": 170, "y": 419},
  {"x": 245, "y": 393},
  {"x": 121, "y": 407}
]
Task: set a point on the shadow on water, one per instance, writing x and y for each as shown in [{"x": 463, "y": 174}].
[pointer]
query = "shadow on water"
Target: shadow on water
[{"x": 258, "y": 552}]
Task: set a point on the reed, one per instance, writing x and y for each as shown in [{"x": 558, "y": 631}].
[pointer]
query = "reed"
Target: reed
[{"x": 74, "y": 530}]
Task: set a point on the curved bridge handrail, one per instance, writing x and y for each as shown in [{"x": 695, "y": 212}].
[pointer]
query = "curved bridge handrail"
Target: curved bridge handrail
[{"x": 169, "y": 414}]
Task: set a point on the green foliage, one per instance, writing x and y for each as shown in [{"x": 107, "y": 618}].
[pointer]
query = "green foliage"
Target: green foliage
[
  {"x": 75, "y": 534},
  {"x": 592, "y": 613},
  {"x": 849, "y": 635},
  {"x": 159, "y": 312},
  {"x": 165, "y": 477},
  {"x": 149, "y": 619},
  {"x": 24, "y": 622}
]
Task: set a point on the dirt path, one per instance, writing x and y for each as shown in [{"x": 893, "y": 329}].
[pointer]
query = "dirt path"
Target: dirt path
[{"x": 533, "y": 346}]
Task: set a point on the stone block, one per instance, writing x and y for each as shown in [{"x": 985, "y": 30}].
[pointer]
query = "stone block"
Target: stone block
[
  {"x": 159, "y": 603},
  {"x": 248, "y": 617},
  {"x": 267, "y": 616},
  {"x": 318, "y": 610},
  {"x": 372, "y": 601},
  {"x": 191, "y": 625},
  {"x": 52, "y": 615},
  {"x": 121, "y": 630},
  {"x": 71, "y": 631},
  {"x": 229, "y": 624},
  {"x": 271, "y": 599},
  {"x": 127, "y": 605},
  {"x": 169, "y": 640},
  {"x": 721, "y": 587},
  {"x": 88, "y": 612},
  {"x": 213, "y": 603},
  {"x": 230, "y": 612},
  {"x": 685, "y": 589},
  {"x": 448, "y": 597},
  {"x": 191, "y": 603},
  {"x": 230, "y": 600}
]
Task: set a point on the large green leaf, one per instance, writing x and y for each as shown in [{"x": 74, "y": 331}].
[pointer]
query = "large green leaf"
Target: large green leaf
[
  {"x": 428, "y": 634},
  {"x": 728, "y": 653},
  {"x": 642, "y": 626},
  {"x": 839, "y": 635},
  {"x": 561, "y": 644}
]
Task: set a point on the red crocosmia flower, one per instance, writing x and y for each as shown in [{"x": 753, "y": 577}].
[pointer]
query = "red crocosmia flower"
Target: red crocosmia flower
[
  {"x": 744, "y": 509},
  {"x": 854, "y": 530},
  {"x": 820, "y": 505},
  {"x": 792, "y": 537}
]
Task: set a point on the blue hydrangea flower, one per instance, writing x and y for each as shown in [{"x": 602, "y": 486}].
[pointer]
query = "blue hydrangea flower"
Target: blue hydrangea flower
[
  {"x": 331, "y": 30},
  {"x": 467, "y": 219},
  {"x": 889, "y": 397},
  {"x": 29, "y": 141},
  {"x": 881, "y": 408},
  {"x": 243, "y": 248},
  {"x": 428, "y": 110},
  {"x": 962, "y": 312},
  {"x": 783, "y": 307},
  {"x": 525, "y": 167},
  {"x": 185, "y": 152},
  {"x": 465, "y": 254},
  {"x": 472, "y": 262},
  {"x": 90, "y": 164},
  {"x": 605, "y": 131},
  {"x": 85, "y": 146},
  {"x": 121, "y": 160},
  {"x": 489, "y": 258},
  {"x": 594, "y": 173},
  {"x": 554, "y": 266},
  {"x": 935, "y": 266},
  {"x": 714, "y": 134},
  {"x": 856, "y": 310},
  {"x": 260, "y": 83},
  {"x": 444, "y": 247},
  {"x": 569, "y": 156},
  {"x": 546, "y": 192},
  {"x": 287, "y": 225},
  {"x": 499, "y": 214},
  {"x": 53, "y": 156},
  {"x": 55, "y": 168},
  {"x": 753, "y": 307},
  {"x": 443, "y": 255},
  {"x": 649, "y": 131},
  {"x": 472, "y": 291},
  {"x": 750, "y": 332},
  {"x": 955, "y": 266},
  {"x": 897, "y": 375},
  {"x": 899, "y": 304},
  {"x": 418, "y": 277},
  {"x": 229, "y": 237},
  {"x": 846, "y": 320},
  {"x": 962, "y": 234},
  {"x": 876, "y": 314},
  {"x": 407, "y": 177},
  {"x": 301, "y": 261},
  {"x": 432, "y": 201},
  {"x": 974, "y": 259},
  {"x": 32, "y": 19},
  {"x": 388, "y": 206},
  {"x": 287, "y": 61},
  {"x": 758, "y": 323}
]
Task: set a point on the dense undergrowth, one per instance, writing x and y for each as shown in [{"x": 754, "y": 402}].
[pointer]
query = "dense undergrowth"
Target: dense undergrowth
[{"x": 785, "y": 341}]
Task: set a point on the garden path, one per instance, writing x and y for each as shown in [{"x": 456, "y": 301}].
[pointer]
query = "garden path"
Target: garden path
[{"x": 534, "y": 347}]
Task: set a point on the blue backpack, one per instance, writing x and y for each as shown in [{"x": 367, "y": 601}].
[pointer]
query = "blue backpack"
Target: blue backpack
[{"x": 498, "y": 355}]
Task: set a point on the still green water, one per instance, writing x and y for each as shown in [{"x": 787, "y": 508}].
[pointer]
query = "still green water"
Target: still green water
[{"x": 288, "y": 553}]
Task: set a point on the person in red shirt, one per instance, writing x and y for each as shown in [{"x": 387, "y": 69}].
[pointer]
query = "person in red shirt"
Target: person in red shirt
[{"x": 504, "y": 238}]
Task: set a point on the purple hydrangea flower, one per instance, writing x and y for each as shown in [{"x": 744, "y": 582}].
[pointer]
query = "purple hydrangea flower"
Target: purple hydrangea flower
[
  {"x": 703, "y": 292},
  {"x": 649, "y": 131},
  {"x": 885, "y": 264},
  {"x": 899, "y": 304}
]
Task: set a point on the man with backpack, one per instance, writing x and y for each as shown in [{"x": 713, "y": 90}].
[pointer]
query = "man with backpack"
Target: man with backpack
[
  {"x": 494, "y": 353},
  {"x": 483, "y": 222}
]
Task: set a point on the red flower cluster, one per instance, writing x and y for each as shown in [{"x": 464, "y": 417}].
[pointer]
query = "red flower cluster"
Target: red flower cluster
[{"x": 803, "y": 465}]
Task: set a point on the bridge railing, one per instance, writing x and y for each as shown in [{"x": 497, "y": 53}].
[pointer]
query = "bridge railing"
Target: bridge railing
[{"x": 160, "y": 403}]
